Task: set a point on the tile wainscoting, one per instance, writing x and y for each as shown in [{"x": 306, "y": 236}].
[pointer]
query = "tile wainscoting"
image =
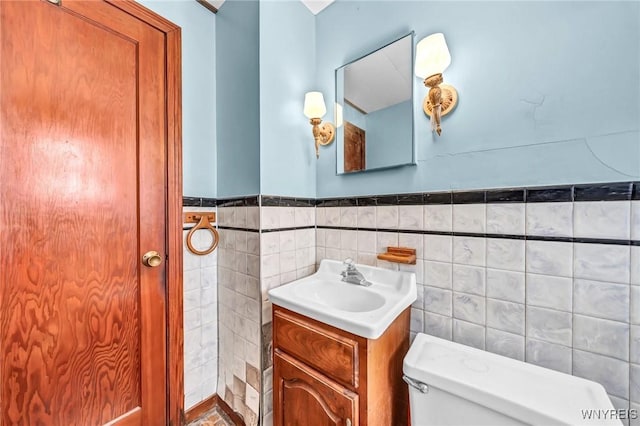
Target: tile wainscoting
[
  {"x": 239, "y": 383},
  {"x": 200, "y": 319},
  {"x": 550, "y": 276},
  {"x": 288, "y": 252},
  {"x": 260, "y": 248}
]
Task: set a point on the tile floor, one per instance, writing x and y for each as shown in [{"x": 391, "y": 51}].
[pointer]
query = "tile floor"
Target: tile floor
[{"x": 215, "y": 417}]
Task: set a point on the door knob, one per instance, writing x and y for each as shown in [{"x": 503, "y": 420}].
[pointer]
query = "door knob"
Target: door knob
[{"x": 151, "y": 259}]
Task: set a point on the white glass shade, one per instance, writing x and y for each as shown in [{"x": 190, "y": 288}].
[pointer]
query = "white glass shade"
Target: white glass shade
[
  {"x": 432, "y": 56},
  {"x": 314, "y": 105}
]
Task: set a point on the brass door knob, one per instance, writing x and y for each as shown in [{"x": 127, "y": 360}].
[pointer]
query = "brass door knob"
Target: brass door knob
[{"x": 151, "y": 259}]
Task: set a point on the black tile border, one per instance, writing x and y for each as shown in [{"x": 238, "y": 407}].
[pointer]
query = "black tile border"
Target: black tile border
[
  {"x": 615, "y": 191},
  {"x": 603, "y": 192},
  {"x": 277, "y": 201},
  {"x": 198, "y": 202},
  {"x": 191, "y": 202},
  {"x": 438, "y": 198},
  {"x": 250, "y": 201},
  {"x": 226, "y": 202},
  {"x": 208, "y": 202},
  {"x": 443, "y": 233},
  {"x": 294, "y": 228},
  {"x": 234, "y": 228},
  {"x": 485, "y": 235},
  {"x": 469, "y": 197},
  {"x": 505, "y": 196},
  {"x": 556, "y": 194}
]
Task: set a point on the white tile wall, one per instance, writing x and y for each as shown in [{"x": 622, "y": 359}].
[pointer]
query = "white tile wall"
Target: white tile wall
[
  {"x": 287, "y": 256},
  {"x": 200, "y": 281},
  {"x": 572, "y": 307},
  {"x": 508, "y": 218},
  {"x": 240, "y": 311},
  {"x": 602, "y": 219},
  {"x": 550, "y": 219}
]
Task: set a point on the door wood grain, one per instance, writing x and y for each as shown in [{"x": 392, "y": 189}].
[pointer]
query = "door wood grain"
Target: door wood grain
[
  {"x": 86, "y": 111},
  {"x": 354, "y": 148}
]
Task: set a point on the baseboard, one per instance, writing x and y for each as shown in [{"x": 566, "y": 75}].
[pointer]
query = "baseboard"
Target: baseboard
[
  {"x": 235, "y": 417},
  {"x": 201, "y": 407},
  {"x": 209, "y": 404}
]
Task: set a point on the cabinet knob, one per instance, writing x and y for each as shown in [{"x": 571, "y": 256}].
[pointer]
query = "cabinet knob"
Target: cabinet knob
[{"x": 348, "y": 422}]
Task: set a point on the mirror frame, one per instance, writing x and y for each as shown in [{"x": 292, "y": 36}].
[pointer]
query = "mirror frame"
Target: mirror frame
[{"x": 340, "y": 130}]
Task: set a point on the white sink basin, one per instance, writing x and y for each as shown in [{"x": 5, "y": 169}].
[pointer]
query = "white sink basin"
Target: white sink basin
[
  {"x": 351, "y": 298},
  {"x": 364, "y": 311}
]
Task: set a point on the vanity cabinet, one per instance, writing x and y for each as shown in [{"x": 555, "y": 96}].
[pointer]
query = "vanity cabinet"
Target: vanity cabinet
[{"x": 327, "y": 376}]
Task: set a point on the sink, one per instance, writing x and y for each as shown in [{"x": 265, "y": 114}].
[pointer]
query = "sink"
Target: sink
[
  {"x": 351, "y": 298},
  {"x": 364, "y": 311}
]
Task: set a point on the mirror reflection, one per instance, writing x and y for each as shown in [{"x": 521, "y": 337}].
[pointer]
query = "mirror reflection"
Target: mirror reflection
[{"x": 374, "y": 109}]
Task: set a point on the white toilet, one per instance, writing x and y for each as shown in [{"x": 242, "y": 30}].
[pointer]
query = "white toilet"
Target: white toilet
[{"x": 453, "y": 384}]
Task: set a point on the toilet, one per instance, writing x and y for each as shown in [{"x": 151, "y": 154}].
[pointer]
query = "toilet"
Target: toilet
[{"x": 453, "y": 384}]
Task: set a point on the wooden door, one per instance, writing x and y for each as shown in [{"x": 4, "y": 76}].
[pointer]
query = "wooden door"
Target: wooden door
[
  {"x": 354, "y": 148},
  {"x": 304, "y": 397},
  {"x": 87, "y": 185}
]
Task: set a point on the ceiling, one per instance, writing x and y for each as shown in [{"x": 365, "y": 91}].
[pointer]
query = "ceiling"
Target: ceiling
[
  {"x": 315, "y": 6},
  {"x": 380, "y": 79}
]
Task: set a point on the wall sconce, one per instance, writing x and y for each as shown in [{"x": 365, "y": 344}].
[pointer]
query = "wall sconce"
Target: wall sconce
[
  {"x": 432, "y": 58},
  {"x": 315, "y": 109}
]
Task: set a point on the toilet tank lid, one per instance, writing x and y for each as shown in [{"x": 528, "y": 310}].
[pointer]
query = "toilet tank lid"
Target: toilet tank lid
[{"x": 524, "y": 391}]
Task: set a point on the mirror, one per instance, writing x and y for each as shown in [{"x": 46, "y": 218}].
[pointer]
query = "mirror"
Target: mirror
[{"x": 374, "y": 109}]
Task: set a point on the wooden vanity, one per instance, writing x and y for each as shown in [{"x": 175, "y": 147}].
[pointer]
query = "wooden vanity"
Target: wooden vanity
[{"x": 327, "y": 376}]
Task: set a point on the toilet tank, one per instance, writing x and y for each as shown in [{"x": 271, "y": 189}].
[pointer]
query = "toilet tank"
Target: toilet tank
[{"x": 467, "y": 386}]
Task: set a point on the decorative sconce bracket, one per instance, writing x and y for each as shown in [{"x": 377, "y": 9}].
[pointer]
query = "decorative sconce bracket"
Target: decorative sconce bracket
[
  {"x": 442, "y": 95},
  {"x": 322, "y": 134}
]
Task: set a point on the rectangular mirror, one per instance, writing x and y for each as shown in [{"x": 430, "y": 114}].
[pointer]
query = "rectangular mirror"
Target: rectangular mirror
[{"x": 374, "y": 109}]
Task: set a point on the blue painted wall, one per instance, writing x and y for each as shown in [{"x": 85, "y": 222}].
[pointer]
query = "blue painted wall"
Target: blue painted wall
[
  {"x": 198, "y": 92},
  {"x": 549, "y": 92},
  {"x": 389, "y": 144},
  {"x": 287, "y": 72},
  {"x": 238, "y": 98}
]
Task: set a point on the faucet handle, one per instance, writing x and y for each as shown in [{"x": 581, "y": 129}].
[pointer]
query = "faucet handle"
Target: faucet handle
[{"x": 348, "y": 262}]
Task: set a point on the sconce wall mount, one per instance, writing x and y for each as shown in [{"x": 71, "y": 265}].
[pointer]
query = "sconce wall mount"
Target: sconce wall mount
[{"x": 323, "y": 133}]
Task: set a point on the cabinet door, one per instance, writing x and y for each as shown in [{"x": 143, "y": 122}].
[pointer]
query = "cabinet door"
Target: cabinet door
[{"x": 304, "y": 397}]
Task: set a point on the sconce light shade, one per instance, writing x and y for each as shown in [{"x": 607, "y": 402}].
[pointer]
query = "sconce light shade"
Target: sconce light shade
[
  {"x": 315, "y": 109},
  {"x": 432, "y": 56},
  {"x": 314, "y": 106}
]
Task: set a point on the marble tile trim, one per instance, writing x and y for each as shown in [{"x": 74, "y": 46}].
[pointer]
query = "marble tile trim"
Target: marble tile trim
[
  {"x": 591, "y": 192},
  {"x": 294, "y": 228},
  {"x": 615, "y": 191},
  {"x": 276, "y": 201},
  {"x": 616, "y": 242},
  {"x": 466, "y": 220},
  {"x": 249, "y": 201}
]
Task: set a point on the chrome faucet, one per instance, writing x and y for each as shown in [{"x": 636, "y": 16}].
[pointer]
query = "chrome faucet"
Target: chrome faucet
[{"x": 352, "y": 275}]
